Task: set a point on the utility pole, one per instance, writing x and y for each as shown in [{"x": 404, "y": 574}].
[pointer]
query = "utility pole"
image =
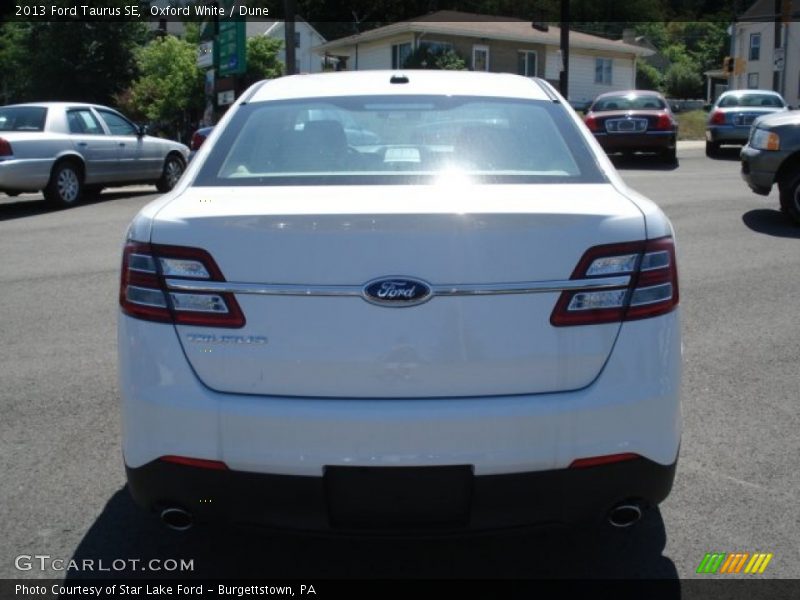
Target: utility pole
[
  {"x": 289, "y": 8},
  {"x": 563, "y": 81}
]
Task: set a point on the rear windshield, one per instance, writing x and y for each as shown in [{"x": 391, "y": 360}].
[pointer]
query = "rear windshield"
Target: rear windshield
[
  {"x": 22, "y": 118},
  {"x": 751, "y": 100},
  {"x": 399, "y": 140},
  {"x": 629, "y": 103}
]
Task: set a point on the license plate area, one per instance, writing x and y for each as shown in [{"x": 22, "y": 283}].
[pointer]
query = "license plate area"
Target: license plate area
[
  {"x": 391, "y": 498},
  {"x": 626, "y": 125}
]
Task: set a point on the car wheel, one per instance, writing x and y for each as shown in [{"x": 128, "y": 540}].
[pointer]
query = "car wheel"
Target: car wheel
[
  {"x": 173, "y": 169},
  {"x": 65, "y": 185},
  {"x": 790, "y": 195},
  {"x": 712, "y": 149}
]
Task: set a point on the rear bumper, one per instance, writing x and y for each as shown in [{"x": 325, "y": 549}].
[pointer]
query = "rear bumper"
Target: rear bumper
[
  {"x": 728, "y": 134},
  {"x": 24, "y": 175},
  {"x": 482, "y": 503},
  {"x": 650, "y": 141}
]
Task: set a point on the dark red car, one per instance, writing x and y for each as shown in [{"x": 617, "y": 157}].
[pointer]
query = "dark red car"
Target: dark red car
[{"x": 634, "y": 121}]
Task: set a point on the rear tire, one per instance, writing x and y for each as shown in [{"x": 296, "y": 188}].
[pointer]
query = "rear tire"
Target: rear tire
[
  {"x": 790, "y": 195},
  {"x": 66, "y": 184},
  {"x": 712, "y": 149},
  {"x": 173, "y": 169}
]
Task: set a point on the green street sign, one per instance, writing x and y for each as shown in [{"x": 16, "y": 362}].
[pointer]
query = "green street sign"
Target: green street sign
[{"x": 231, "y": 48}]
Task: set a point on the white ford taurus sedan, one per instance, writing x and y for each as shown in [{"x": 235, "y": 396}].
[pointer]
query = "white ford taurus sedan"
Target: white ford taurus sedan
[
  {"x": 400, "y": 302},
  {"x": 70, "y": 150}
]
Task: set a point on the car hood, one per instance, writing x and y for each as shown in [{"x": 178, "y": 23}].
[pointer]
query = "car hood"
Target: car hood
[{"x": 788, "y": 117}]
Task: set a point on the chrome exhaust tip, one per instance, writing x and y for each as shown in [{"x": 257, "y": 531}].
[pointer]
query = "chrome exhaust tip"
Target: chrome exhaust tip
[
  {"x": 624, "y": 515},
  {"x": 177, "y": 519}
]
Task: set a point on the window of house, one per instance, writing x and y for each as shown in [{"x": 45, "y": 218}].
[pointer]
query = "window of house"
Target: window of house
[
  {"x": 752, "y": 81},
  {"x": 603, "y": 70},
  {"x": 480, "y": 58},
  {"x": 400, "y": 52},
  {"x": 755, "y": 46},
  {"x": 434, "y": 47},
  {"x": 526, "y": 63}
]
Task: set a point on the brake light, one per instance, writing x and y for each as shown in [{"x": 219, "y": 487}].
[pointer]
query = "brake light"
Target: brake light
[
  {"x": 591, "y": 123},
  {"x": 718, "y": 118},
  {"x": 145, "y": 293},
  {"x": 651, "y": 289},
  {"x": 663, "y": 122},
  {"x": 5, "y": 148},
  {"x": 216, "y": 465},
  {"x": 197, "y": 141},
  {"x": 595, "y": 461}
]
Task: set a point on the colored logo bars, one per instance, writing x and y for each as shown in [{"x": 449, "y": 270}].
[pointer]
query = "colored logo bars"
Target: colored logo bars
[{"x": 739, "y": 562}]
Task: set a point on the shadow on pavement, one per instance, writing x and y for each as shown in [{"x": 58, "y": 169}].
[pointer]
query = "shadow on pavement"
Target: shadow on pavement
[
  {"x": 123, "y": 531},
  {"x": 650, "y": 162},
  {"x": 728, "y": 153},
  {"x": 37, "y": 206},
  {"x": 771, "y": 222}
]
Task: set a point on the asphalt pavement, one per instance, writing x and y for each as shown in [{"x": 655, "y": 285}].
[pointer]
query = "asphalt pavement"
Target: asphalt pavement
[{"x": 62, "y": 490}]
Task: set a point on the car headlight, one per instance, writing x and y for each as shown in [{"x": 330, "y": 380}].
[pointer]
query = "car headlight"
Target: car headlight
[{"x": 765, "y": 140}]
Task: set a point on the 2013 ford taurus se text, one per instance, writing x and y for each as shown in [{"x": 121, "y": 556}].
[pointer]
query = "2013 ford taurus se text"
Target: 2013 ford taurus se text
[{"x": 456, "y": 318}]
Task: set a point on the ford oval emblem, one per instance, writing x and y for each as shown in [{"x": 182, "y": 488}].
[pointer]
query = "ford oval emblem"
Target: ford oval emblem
[{"x": 397, "y": 291}]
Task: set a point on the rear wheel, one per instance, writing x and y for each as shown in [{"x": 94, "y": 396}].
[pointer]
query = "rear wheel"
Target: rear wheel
[
  {"x": 173, "y": 169},
  {"x": 65, "y": 185},
  {"x": 712, "y": 149},
  {"x": 789, "y": 187}
]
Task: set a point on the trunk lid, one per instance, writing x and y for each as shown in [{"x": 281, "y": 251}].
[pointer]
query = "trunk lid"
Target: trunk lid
[{"x": 329, "y": 346}]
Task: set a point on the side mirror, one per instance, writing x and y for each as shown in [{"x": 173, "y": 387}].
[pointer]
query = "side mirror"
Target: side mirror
[{"x": 142, "y": 131}]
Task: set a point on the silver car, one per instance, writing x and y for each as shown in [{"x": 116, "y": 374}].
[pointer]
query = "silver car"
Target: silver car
[
  {"x": 70, "y": 150},
  {"x": 733, "y": 113}
]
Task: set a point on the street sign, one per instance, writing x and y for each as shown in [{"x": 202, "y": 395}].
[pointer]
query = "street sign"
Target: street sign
[
  {"x": 779, "y": 59},
  {"x": 225, "y": 98},
  {"x": 205, "y": 55},
  {"x": 231, "y": 48}
]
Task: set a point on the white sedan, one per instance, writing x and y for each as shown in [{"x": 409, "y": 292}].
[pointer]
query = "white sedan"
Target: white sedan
[
  {"x": 460, "y": 320},
  {"x": 70, "y": 150}
]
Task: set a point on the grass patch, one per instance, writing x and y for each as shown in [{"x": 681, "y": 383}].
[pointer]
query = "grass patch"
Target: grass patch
[{"x": 692, "y": 125}]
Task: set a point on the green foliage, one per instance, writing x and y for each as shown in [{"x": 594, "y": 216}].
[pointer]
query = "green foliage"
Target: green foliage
[
  {"x": 648, "y": 77},
  {"x": 426, "y": 57},
  {"x": 683, "y": 81},
  {"x": 170, "y": 82},
  {"x": 262, "y": 58},
  {"x": 90, "y": 61}
]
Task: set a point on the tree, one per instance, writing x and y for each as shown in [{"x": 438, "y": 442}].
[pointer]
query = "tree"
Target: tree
[
  {"x": 89, "y": 61},
  {"x": 648, "y": 77},
  {"x": 262, "y": 58},
  {"x": 170, "y": 87},
  {"x": 683, "y": 81}
]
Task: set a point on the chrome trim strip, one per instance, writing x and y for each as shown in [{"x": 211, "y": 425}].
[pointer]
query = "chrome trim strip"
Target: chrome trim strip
[{"x": 469, "y": 289}]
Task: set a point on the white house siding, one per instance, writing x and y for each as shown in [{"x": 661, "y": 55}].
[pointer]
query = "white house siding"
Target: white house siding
[
  {"x": 376, "y": 55},
  {"x": 765, "y": 65},
  {"x": 582, "y": 86}
]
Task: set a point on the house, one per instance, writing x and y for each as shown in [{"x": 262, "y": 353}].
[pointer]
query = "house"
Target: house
[
  {"x": 766, "y": 48},
  {"x": 497, "y": 44},
  {"x": 305, "y": 39}
]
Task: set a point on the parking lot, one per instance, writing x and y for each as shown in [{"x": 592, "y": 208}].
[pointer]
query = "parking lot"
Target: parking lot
[{"x": 63, "y": 490}]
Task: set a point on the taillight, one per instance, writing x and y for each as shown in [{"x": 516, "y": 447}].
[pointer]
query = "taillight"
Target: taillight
[
  {"x": 651, "y": 288},
  {"x": 718, "y": 117},
  {"x": 607, "y": 459},
  {"x": 202, "y": 463},
  {"x": 663, "y": 122},
  {"x": 591, "y": 123},
  {"x": 5, "y": 148},
  {"x": 145, "y": 291},
  {"x": 197, "y": 141}
]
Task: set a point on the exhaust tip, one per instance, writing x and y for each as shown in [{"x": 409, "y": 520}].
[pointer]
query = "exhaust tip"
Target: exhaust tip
[
  {"x": 624, "y": 515},
  {"x": 177, "y": 519}
]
